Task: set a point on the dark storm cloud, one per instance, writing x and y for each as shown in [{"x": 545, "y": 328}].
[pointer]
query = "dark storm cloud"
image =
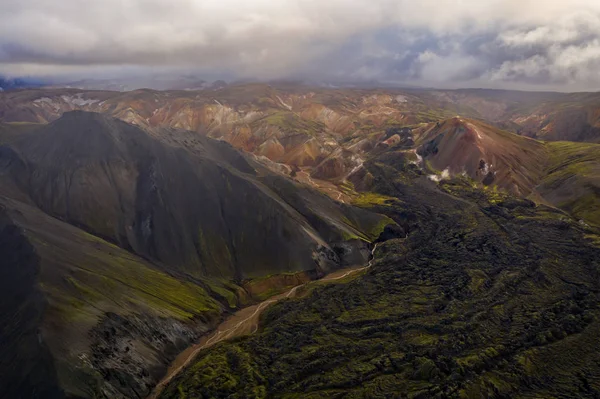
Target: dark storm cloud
[{"x": 494, "y": 43}]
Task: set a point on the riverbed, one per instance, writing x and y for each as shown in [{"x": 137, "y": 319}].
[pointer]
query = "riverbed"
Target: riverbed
[{"x": 243, "y": 322}]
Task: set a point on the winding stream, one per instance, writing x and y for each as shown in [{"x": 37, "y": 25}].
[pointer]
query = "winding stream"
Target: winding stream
[{"x": 243, "y": 322}]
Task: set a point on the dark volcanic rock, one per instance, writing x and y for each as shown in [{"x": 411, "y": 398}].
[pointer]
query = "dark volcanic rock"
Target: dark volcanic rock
[
  {"x": 120, "y": 351},
  {"x": 487, "y": 296}
]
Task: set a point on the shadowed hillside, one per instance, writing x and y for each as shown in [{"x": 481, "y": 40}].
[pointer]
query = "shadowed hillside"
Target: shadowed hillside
[
  {"x": 197, "y": 210},
  {"x": 125, "y": 246}
]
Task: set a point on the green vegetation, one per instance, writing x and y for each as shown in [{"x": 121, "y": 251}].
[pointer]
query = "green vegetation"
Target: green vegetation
[
  {"x": 431, "y": 115},
  {"x": 347, "y": 188},
  {"x": 106, "y": 273},
  {"x": 489, "y": 296},
  {"x": 291, "y": 122},
  {"x": 366, "y": 230},
  {"x": 573, "y": 179},
  {"x": 368, "y": 199},
  {"x": 568, "y": 160},
  {"x": 264, "y": 287},
  {"x": 226, "y": 290}
]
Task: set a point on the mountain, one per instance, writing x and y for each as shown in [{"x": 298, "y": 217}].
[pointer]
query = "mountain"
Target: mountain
[
  {"x": 561, "y": 174},
  {"x": 17, "y": 83},
  {"x": 83, "y": 317},
  {"x": 320, "y": 136},
  {"x": 541, "y": 115},
  {"x": 487, "y": 154},
  {"x": 135, "y": 224},
  {"x": 116, "y": 181},
  {"x": 572, "y": 180},
  {"x": 489, "y": 295},
  {"x": 158, "y": 82},
  {"x": 292, "y": 125},
  {"x": 125, "y": 246},
  {"x": 326, "y": 131}
]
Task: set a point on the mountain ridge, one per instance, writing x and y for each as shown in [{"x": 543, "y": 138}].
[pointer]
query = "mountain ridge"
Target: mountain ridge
[{"x": 145, "y": 242}]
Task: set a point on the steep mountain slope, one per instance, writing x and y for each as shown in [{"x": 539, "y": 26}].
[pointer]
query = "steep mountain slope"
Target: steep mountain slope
[
  {"x": 488, "y": 296},
  {"x": 197, "y": 210},
  {"x": 485, "y": 153},
  {"x": 21, "y": 311},
  {"x": 573, "y": 117},
  {"x": 124, "y": 246},
  {"x": 541, "y": 115},
  {"x": 561, "y": 174},
  {"x": 82, "y": 317},
  {"x": 572, "y": 180}
]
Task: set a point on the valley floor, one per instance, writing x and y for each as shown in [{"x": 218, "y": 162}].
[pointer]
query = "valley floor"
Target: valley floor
[{"x": 241, "y": 323}]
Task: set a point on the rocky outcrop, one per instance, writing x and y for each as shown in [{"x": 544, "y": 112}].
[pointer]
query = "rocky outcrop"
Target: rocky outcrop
[{"x": 132, "y": 353}]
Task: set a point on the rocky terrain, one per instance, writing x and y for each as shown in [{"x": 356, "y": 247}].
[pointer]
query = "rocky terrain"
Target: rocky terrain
[
  {"x": 133, "y": 223},
  {"x": 129, "y": 247},
  {"x": 489, "y": 295},
  {"x": 328, "y": 131}
]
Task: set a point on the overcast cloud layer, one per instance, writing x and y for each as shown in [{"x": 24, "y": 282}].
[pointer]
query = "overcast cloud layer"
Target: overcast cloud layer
[{"x": 528, "y": 44}]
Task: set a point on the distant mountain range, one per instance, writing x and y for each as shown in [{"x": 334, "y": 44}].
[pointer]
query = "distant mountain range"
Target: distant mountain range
[{"x": 18, "y": 83}]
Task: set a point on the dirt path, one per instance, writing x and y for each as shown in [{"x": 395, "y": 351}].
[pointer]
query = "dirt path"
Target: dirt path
[{"x": 242, "y": 322}]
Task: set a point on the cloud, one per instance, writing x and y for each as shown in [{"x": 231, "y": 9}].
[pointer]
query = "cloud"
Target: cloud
[{"x": 446, "y": 43}]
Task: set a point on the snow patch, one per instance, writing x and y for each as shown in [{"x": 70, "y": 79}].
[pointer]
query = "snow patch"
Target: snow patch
[
  {"x": 251, "y": 116},
  {"x": 43, "y": 100},
  {"x": 486, "y": 169},
  {"x": 79, "y": 101},
  {"x": 401, "y": 99},
  {"x": 46, "y": 101}
]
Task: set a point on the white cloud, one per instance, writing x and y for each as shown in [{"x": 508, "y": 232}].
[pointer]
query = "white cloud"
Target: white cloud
[{"x": 443, "y": 41}]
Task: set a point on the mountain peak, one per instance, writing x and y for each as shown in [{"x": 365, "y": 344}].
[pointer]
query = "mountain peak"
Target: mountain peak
[
  {"x": 483, "y": 152},
  {"x": 81, "y": 137}
]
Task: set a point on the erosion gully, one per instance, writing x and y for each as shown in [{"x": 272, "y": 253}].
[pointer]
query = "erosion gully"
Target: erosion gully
[{"x": 243, "y": 322}]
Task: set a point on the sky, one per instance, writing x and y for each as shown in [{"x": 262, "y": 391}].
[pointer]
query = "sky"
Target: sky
[{"x": 512, "y": 44}]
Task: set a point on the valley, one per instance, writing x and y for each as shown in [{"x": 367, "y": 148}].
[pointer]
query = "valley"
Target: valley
[
  {"x": 242, "y": 323},
  {"x": 272, "y": 199},
  {"x": 219, "y": 242},
  {"x": 488, "y": 296}
]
